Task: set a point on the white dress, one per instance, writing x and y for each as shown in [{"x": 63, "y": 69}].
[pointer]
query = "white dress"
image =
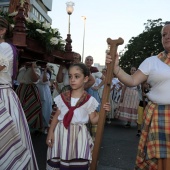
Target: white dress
[{"x": 74, "y": 142}]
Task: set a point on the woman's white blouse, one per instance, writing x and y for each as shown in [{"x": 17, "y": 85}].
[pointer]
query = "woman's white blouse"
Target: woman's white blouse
[
  {"x": 6, "y": 59},
  {"x": 159, "y": 78},
  {"x": 81, "y": 114}
]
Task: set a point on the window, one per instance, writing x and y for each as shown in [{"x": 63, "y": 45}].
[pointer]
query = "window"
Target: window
[
  {"x": 35, "y": 12},
  {"x": 42, "y": 18},
  {"x": 5, "y": 9}
]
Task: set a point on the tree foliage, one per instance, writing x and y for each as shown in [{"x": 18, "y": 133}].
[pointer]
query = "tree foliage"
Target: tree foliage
[{"x": 144, "y": 45}]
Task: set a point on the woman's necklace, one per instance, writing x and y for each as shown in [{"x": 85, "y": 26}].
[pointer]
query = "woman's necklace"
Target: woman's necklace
[{"x": 168, "y": 56}]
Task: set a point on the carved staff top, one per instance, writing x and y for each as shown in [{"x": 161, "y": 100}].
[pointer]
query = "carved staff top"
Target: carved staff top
[{"x": 113, "y": 44}]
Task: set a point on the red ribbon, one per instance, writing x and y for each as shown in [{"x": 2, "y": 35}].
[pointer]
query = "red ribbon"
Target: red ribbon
[{"x": 69, "y": 115}]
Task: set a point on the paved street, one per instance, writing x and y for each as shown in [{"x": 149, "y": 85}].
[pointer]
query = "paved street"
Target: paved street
[{"x": 118, "y": 149}]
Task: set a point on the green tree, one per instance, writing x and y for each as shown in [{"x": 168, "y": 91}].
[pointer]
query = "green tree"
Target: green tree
[{"x": 142, "y": 46}]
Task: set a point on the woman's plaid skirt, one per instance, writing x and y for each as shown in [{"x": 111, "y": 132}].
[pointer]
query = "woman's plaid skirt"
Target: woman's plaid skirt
[{"x": 154, "y": 143}]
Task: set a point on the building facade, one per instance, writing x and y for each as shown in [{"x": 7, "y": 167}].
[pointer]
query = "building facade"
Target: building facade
[
  {"x": 38, "y": 9},
  {"x": 4, "y": 5}
]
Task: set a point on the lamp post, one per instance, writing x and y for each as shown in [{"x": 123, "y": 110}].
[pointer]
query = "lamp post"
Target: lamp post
[
  {"x": 84, "y": 19},
  {"x": 69, "y": 9}
]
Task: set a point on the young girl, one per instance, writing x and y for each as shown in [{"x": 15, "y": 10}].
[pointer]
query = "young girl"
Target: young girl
[{"x": 69, "y": 142}]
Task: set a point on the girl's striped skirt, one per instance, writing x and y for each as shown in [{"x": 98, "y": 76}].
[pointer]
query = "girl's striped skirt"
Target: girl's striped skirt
[{"x": 72, "y": 148}]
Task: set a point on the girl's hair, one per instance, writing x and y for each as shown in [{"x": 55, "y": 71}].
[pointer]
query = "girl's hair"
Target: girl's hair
[{"x": 83, "y": 68}]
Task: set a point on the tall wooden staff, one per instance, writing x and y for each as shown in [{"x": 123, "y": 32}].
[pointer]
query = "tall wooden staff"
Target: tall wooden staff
[{"x": 113, "y": 44}]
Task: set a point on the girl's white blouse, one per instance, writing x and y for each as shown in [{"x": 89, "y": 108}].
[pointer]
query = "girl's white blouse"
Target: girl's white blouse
[{"x": 81, "y": 114}]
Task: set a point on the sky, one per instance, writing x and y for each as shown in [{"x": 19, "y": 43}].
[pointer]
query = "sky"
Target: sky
[{"x": 105, "y": 19}]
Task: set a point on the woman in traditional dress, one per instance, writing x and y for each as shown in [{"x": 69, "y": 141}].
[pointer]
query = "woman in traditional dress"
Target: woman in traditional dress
[
  {"x": 16, "y": 151},
  {"x": 154, "y": 145},
  {"x": 28, "y": 93},
  {"x": 129, "y": 103}
]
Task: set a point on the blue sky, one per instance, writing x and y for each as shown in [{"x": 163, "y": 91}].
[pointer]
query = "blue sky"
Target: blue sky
[{"x": 105, "y": 19}]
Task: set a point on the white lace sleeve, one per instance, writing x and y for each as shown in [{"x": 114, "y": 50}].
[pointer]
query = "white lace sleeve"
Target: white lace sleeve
[
  {"x": 6, "y": 56},
  {"x": 92, "y": 106},
  {"x": 4, "y": 62}
]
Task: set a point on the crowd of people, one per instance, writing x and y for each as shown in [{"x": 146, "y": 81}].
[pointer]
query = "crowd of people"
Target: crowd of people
[{"x": 77, "y": 97}]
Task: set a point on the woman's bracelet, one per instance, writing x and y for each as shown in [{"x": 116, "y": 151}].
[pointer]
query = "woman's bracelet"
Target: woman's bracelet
[{"x": 117, "y": 71}]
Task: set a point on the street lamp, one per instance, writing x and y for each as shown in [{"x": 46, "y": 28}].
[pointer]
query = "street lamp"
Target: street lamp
[
  {"x": 69, "y": 9},
  {"x": 84, "y": 18}
]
